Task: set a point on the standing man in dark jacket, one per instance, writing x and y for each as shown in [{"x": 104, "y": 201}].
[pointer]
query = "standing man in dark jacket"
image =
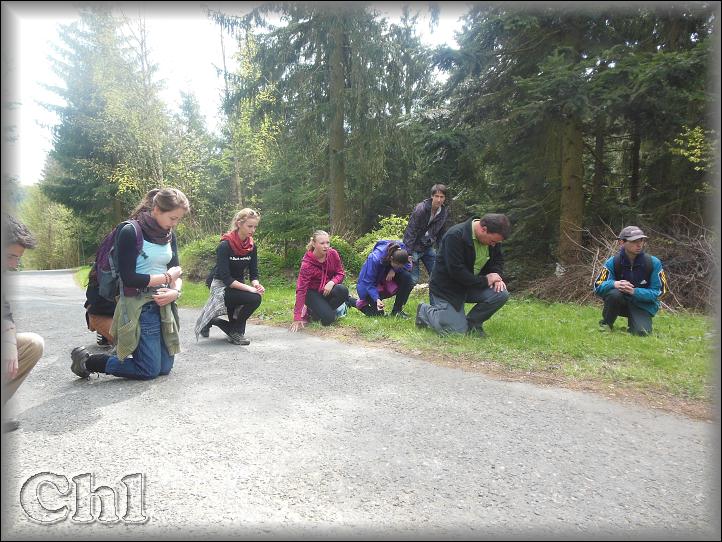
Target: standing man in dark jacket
[
  {"x": 468, "y": 270},
  {"x": 427, "y": 225}
]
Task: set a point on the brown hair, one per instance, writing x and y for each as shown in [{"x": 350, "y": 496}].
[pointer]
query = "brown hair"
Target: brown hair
[
  {"x": 309, "y": 245},
  {"x": 166, "y": 199},
  {"x": 17, "y": 233},
  {"x": 496, "y": 223},
  {"x": 438, "y": 188},
  {"x": 395, "y": 254}
]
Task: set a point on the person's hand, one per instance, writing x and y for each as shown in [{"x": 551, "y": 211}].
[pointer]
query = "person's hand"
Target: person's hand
[
  {"x": 329, "y": 286},
  {"x": 493, "y": 278},
  {"x": 390, "y": 275},
  {"x": 295, "y": 326},
  {"x": 10, "y": 364},
  {"x": 165, "y": 295},
  {"x": 175, "y": 272},
  {"x": 499, "y": 286},
  {"x": 380, "y": 305},
  {"x": 624, "y": 286},
  {"x": 259, "y": 288}
]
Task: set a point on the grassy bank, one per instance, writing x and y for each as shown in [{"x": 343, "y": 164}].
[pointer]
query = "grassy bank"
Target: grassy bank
[{"x": 558, "y": 340}]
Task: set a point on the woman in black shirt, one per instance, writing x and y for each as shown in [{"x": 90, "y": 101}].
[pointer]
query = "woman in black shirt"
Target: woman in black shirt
[{"x": 229, "y": 293}]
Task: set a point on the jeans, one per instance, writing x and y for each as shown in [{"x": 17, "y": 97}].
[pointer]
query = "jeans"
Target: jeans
[
  {"x": 428, "y": 257},
  {"x": 150, "y": 358}
]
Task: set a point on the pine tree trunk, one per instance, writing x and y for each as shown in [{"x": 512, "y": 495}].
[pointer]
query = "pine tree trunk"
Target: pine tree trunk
[
  {"x": 598, "y": 177},
  {"x": 634, "y": 174},
  {"x": 571, "y": 206},
  {"x": 337, "y": 196}
]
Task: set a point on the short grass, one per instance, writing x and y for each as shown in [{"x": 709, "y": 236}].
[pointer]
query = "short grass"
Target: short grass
[{"x": 529, "y": 336}]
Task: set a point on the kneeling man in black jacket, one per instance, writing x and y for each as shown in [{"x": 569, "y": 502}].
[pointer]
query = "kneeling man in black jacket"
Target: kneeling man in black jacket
[{"x": 468, "y": 269}]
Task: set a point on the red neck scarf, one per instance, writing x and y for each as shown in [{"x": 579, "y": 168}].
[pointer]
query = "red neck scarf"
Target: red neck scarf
[{"x": 239, "y": 248}]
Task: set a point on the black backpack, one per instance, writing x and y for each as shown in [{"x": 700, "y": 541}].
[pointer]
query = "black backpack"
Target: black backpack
[{"x": 647, "y": 267}]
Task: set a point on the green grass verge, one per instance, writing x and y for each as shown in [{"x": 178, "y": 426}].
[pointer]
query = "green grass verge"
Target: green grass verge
[{"x": 527, "y": 335}]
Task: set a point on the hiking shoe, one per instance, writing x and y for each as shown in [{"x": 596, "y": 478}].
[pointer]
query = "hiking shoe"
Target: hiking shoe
[
  {"x": 351, "y": 302},
  {"x": 80, "y": 356},
  {"x": 100, "y": 340},
  {"x": 604, "y": 327},
  {"x": 419, "y": 322},
  {"x": 400, "y": 314},
  {"x": 237, "y": 338},
  {"x": 206, "y": 331}
]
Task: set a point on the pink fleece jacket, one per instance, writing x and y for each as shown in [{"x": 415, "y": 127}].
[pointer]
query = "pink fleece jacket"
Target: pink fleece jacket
[{"x": 315, "y": 275}]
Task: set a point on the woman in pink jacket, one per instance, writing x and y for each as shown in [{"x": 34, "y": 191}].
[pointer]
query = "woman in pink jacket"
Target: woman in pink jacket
[{"x": 319, "y": 291}]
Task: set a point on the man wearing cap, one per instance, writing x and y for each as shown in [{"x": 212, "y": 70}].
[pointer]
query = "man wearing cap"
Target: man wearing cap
[{"x": 631, "y": 284}]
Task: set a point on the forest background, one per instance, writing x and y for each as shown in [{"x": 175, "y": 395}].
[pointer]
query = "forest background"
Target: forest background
[{"x": 573, "y": 123}]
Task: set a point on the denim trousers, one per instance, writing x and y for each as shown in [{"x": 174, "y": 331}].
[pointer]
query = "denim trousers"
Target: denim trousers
[
  {"x": 428, "y": 257},
  {"x": 150, "y": 358}
]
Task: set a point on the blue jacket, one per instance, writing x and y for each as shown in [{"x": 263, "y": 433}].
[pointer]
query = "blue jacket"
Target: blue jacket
[
  {"x": 646, "y": 296},
  {"x": 374, "y": 270}
]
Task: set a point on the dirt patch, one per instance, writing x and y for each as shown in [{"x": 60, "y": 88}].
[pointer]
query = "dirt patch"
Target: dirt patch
[{"x": 650, "y": 398}]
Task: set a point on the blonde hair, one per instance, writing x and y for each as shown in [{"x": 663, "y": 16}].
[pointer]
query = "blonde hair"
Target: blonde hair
[
  {"x": 242, "y": 216},
  {"x": 315, "y": 236},
  {"x": 166, "y": 199}
]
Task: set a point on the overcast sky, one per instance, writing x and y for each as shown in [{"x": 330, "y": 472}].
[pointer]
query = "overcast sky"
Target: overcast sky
[{"x": 185, "y": 45}]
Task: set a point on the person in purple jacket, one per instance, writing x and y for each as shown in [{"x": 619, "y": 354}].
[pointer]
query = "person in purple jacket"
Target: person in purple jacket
[
  {"x": 386, "y": 273},
  {"x": 319, "y": 291}
]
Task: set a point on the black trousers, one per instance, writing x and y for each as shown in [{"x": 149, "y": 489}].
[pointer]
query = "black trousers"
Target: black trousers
[
  {"x": 322, "y": 307},
  {"x": 618, "y": 304},
  {"x": 240, "y": 305}
]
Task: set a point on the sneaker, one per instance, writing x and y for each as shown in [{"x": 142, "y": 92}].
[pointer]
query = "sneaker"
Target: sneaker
[
  {"x": 80, "y": 356},
  {"x": 605, "y": 327},
  {"x": 100, "y": 340},
  {"x": 237, "y": 338},
  {"x": 206, "y": 331},
  {"x": 10, "y": 425},
  {"x": 400, "y": 314},
  {"x": 419, "y": 322}
]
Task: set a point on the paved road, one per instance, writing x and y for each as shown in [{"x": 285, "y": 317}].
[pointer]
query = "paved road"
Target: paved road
[{"x": 303, "y": 437}]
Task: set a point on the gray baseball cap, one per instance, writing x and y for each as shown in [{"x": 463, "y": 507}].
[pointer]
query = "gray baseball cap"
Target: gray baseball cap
[{"x": 631, "y": 233}]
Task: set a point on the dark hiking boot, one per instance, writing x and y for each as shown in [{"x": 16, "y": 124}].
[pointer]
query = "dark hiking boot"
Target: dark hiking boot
[
  {"x": 237, "y": 338},
  {"x": 419, "y": 322},
  {"x": 80, "y": 356},
  {"x": 605, "y": 327},
  {"x": 206, "y": 331},
  {"x": 400, "y": 314},
  {"x": 351, "y": 302}
]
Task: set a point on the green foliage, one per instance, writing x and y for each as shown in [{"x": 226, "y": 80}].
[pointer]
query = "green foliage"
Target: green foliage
[
  {"x": 390, "y": 227},
  {"x": 57, "y": 231},
  {"x": 352, "y": 261},
  {"x": 198, "y": 257}
]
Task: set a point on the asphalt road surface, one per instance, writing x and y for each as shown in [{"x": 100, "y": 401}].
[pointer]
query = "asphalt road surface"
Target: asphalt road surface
[{"x": 297, "y": 436}]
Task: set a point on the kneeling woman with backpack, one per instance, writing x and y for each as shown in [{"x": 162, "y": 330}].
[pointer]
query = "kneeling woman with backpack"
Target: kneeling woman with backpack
[
  {"x": 145, "y": 322},
  {"x": 229, "y": 293}
]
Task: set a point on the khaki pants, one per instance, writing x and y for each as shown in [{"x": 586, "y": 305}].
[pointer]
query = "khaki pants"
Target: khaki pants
[{"x": 30, "y": 349}]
